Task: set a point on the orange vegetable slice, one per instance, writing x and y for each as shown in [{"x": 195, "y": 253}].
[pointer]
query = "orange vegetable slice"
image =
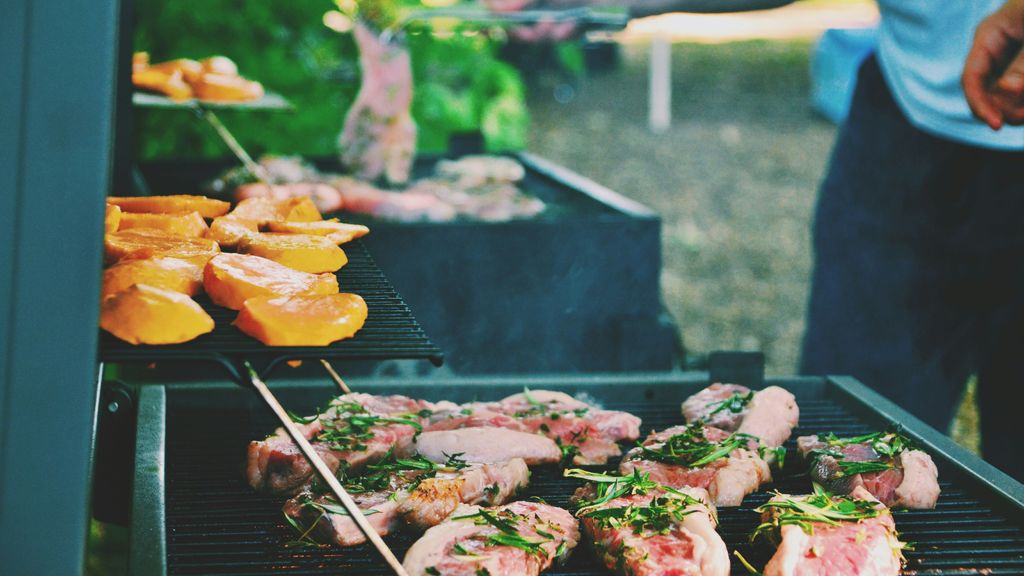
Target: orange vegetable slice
[
  {"x": 147, "y": 243},
  {"x": 112, "y": 219},
  {"x": 264, "y": 210},
  {"x": 303, "y": 252},
  {"x": 187, "y": 224},
  {"x": 175, "y": 204},
  {"x": 337, "y": 232},
  {"x": 172, "y": 274},
  {"x": 228, "y": 231},
  {"x": 231, "y": 279},
  {"x": 190, "y": 70},
  {"x": 143, "y": 314},
  {"x": 302, "y": 320}
]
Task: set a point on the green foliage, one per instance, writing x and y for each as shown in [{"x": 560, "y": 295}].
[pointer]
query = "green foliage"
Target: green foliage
[{"x": 460, "y": 85}]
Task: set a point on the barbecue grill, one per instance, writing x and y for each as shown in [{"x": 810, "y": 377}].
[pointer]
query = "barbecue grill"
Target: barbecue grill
[{"x": 196, "y": 514}]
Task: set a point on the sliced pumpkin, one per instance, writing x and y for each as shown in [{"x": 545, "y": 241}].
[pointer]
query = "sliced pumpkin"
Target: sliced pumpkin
[
  {"x": 175, "y": 204},
  {"x": 303, "y": 252},
  {"x": 143, "y": 314},
  {"x": 302, "y": 320},
  {"x": 146, "y": 243},
  {"x": 112, "y": 219},
  {"x": 231, "y": 279},
  {"x": 265, "y": 210},
  {"x": 333, "y": 230},
  {"x": 189, "y": 224},
  {"x": 228, "y": 231},
  {"x": 172, "y": 274}
]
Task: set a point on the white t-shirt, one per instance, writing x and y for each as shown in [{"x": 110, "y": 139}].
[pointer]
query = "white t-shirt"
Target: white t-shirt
[{"x": 922, "y": 45}]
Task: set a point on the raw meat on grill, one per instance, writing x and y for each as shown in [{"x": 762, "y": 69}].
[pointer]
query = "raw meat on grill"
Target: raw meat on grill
[
  {"x": 587, "y": 433},
  {"x": 357, "y": 429},
  {"x": 379, "y": 136},
  {"x": 400, "y": 491},
  {"x": 770, "y": 414},
  {"x": 699, "y": 456},
  {"x": 866, "y": 544},
  {"x": 518, "y": 539},
  {"x": 652, "y": 532},
  {"x": 488, "y": 484},
  {"x": 487, "y": 445},
  {"x": 459, "y": 417},
  {"x": 884, "y": 463}
]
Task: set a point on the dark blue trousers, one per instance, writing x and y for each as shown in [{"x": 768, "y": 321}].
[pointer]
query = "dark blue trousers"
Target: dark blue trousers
[{"x": 919, "y": 271}]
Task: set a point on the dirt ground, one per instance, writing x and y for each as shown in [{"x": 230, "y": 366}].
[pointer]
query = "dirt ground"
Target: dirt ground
[{"x": 734, "y": 179}]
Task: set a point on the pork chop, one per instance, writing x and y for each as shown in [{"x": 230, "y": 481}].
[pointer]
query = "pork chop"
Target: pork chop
[
  {"x": 487, "y": 445},
  {"x": 770, "y": 414},
  {"x": 884, "y": 463},
  {"x": 700, "y": 457},
  {"x": 863, "y": 544},
  {"x": 521, "y": 539},
  {"x": 355, "y": 430}
]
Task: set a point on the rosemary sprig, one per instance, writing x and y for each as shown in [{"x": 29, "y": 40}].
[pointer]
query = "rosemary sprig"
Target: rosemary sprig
[
  {"x": 507, "y": 535},
  {"x": 736, "y": 403},
  {"x": 608, "y": 487},
  {"x": 887, "y": 444}
]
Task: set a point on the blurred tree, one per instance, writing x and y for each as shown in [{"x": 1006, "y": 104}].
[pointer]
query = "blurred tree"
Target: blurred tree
[{"x": 460, "y": 85}]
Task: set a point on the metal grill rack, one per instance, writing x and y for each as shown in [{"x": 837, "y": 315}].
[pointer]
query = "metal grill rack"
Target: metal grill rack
[
  {"x": 215, "y": 524},
  {"x": 390, "y": 331}
]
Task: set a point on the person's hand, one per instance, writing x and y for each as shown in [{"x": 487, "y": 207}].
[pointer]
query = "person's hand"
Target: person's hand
[{"x": 993, "y": 78}]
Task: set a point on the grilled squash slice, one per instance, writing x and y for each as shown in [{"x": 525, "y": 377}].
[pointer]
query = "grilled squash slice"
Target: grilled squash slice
[
  {"x": 228, "y": 231},
  {"x": 112, "y": 219},
  {"x": 231, "y": 279},
  {"x": 189, "y": 224},
  {"x": 266, "y": 210},
  {"x": 146, "y": 243},
  {"x": 172, "y": 274},
  {"x": 303, "y": 252},
  {"x": 144, "y": 314},
  {"x": 302, "y": 320},
  {"x": 337, "y": 232},
  {"x": 207, "y": 207}
]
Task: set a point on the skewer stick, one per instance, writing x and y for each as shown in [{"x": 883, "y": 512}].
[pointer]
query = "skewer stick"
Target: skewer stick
[
  {"x": 261, "y": 174},
  {"x": 334, "y": 376},
  {"x": 325, "y": 472}
]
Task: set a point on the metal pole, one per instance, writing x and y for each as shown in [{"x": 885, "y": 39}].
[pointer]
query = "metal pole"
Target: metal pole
[
  {"x": 660, "y": 112},
  {"x": 324, "y": 471}
]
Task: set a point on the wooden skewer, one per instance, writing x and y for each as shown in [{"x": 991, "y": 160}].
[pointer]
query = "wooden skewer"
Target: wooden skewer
[
  {"x": 325, "y": 472},
  {"x": 334, "y": 376}
]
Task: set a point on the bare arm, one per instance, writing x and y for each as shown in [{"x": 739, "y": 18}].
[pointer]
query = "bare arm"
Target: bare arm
[{"x": 993, "y": 78}]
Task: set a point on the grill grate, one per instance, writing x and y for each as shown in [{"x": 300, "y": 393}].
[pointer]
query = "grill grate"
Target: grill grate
[
  {"x": 390, "y": 331},
  {"x": 216, "y": 525}
]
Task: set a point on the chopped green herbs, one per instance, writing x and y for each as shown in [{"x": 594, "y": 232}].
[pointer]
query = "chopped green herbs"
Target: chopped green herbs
[
  {"x": 886, "y": 444},
  {"x": 735, "y": 404},
  {"x": 692, "y": 449},
  {"x": 608, "y": 487},
  {"x": 349, "y": 428},
  {"x": 508, "y": 535},
  {"x": 657, "y": 517},
  {"x": 432, "y": 571},
  {"x": 819, "y": 507}
]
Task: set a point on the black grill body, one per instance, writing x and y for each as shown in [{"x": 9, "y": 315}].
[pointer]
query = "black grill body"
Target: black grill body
[{"x": 214, "y": 524}]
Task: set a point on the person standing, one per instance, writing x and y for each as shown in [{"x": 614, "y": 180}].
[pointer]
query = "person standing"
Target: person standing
[{"x": 918, "y": 280}]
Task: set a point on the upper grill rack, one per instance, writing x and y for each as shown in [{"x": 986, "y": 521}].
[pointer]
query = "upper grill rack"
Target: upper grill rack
[
  {"x": 216, "y": 525},
  {"x": 390, "y": 331}
]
